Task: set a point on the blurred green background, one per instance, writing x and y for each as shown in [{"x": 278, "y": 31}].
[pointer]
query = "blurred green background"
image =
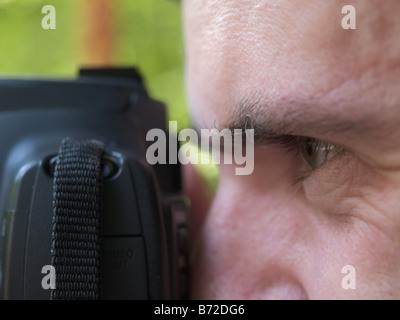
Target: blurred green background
[{"x": 143, "y": 33}]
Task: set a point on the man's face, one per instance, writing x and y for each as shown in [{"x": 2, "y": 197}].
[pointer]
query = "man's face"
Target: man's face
[{"x": 288, "y": 229}]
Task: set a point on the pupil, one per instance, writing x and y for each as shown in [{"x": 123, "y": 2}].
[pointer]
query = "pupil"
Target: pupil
[{"x": 309, "y": 148}]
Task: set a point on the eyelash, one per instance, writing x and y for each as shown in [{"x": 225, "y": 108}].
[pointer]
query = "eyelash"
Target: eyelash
[{"x": 295, "y": 144}]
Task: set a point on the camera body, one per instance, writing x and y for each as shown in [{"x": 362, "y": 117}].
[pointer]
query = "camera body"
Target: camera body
[{"x": 144, "y": 218}]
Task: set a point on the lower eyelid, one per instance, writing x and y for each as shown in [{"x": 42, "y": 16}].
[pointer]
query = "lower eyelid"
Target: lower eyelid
[
  {"x": 336, "y": 151},
  {"x": 304, "y": 174},
  {"x": 341, "y": 177},
  {"x": 298, "y": 179}
]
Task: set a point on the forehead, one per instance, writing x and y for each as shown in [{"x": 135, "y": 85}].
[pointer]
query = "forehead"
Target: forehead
[{"x": 293, "y": 55}]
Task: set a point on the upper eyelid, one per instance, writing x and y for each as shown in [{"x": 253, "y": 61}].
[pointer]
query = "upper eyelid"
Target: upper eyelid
[
  {"x": 289, "y": 142},
  {"x": 293, "y": 143}
]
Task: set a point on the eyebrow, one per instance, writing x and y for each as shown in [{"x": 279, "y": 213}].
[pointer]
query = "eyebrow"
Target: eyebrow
[{"x": 297, "y": 118}]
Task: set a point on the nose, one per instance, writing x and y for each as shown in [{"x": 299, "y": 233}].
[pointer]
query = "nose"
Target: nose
[{"x": 252, "y": 245}]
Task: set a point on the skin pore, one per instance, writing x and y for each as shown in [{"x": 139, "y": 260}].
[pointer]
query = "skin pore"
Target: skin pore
[{"x": 292, "y": 68}]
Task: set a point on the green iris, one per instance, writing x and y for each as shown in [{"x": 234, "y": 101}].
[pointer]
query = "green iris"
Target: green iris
[{"x": 316, "y": 152}]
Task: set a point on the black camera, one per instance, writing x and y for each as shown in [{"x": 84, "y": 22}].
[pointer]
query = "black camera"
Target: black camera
[{"x": 82, "y": 213}]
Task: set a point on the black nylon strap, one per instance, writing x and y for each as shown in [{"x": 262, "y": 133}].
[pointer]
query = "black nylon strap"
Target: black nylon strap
[{"x": 77, "y": 203}]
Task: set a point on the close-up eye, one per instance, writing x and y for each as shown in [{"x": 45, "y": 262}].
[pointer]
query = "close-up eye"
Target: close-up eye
[{"x": 316, "y": 152}]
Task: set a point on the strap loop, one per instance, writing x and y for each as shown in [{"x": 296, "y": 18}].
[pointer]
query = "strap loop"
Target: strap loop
[{"x": 77, "y": 206}]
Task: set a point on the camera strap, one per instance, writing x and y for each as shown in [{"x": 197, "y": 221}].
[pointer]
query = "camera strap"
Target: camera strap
[{"x": 77, "y": 206}]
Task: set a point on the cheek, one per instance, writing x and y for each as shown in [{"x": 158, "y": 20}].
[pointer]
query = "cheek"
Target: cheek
[
  {"x": 345, "y": 188},
  {"x": 373, "y": 257},
  {"x": 359, "y": 217},
  {"x": 261, "y": 239}
]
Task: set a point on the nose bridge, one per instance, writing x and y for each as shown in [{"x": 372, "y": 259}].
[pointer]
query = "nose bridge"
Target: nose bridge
[
  {"x": 256, "y": 219},
  {"x": 252, "y": 242}
]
